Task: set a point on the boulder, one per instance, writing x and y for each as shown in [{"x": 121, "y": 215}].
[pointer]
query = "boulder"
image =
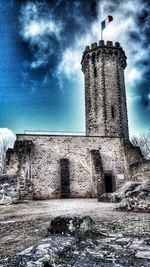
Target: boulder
[
  {"x": 9, "y": 190},
  {"x": 70, "y": 225},
  {"x": 120, "y": 194},
  {"x": 137, "y": 200}
]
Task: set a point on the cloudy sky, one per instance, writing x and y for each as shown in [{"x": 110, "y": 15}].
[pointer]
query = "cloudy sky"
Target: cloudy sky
[{"x": 41, "y": 83}]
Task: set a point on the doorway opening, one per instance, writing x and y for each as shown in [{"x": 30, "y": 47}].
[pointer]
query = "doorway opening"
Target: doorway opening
[
  {"x": 65, "y": 178},
  {"x": 108, "y": 183}
]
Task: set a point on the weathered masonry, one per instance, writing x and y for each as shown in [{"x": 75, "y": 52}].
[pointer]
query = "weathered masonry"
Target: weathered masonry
[
  {"x": 106, "y": 110},
  {"x": 55, "y": 166}
]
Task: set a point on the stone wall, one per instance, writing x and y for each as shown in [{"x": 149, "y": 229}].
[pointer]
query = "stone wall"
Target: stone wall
[
  {"x": 140, "y": 171},
  {"x": 105, "y": 98},
  {"x": 19, "y": 161},
  {"x": 139, "y": 167},
  {"x": 133, "y": 153},
  {"x": 48, "y": 151},
  {"x": 11, "y": 162}
]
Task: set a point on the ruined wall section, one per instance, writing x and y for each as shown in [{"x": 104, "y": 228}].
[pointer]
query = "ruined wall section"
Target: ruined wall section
[
  {"x": 19, "y": 161},
  {"x": 49, "y": 150},
  {"x": 105, "y": 99},
  {"x": 133, "y": 153},
  {"x": 139, "y": 167},
  {"x": 97, "y": 168},
  {"x": 12, "y": 162},
  {"x": 140, "y": 171}
]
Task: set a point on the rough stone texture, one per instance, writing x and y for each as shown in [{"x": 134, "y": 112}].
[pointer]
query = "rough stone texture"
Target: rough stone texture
[
  {"x": 139, "y": 167},
  {"x": 110, "y": 243},
  {"x": 70, "y": 225},
  {"x": 137, "y": 199},
  {"x": 77, "y": 166},
  {"x": 106, "y": 112},
  {"x": 45, "y": 253},
  {"x": 133, "y": 196},
  {"x": 84, "y": 178},
  {"x": 9, "y": 189},
  {"x": 121, "y": 193},
  {"x": 140, "y": 170},
  {"x": 97, "y": 168},
  {"x": 133, "y": 154},
  {"x": 18, "y": 161}
]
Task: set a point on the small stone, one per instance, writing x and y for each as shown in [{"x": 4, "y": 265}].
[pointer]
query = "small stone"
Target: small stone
[
  {"x": 136, "y": 243},
  {"x": 145, "y": 254},
  {"x": 123, "y": 241}
]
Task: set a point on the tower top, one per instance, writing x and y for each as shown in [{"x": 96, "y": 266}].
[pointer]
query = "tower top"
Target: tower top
[
  {"x": 103, "y": 66},
  {"x": 106, "y": 48}
]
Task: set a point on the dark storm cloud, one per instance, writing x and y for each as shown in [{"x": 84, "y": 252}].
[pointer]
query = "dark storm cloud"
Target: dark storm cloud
[
  {"x": 41, "y": 50},
  {"x": 46, "y": 26},
  {"x": 142, "y": 37},
  {"x": 56, "y": 33},
  {"x": 41, "y": 31},
  {"x": 51, "y": 27}
]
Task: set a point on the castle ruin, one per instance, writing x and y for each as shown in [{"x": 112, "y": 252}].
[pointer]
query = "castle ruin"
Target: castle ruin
[{"x": 55, "y": 166}]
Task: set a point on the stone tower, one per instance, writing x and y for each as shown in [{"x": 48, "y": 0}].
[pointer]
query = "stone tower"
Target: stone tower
[{"x": 105, "y": 98}]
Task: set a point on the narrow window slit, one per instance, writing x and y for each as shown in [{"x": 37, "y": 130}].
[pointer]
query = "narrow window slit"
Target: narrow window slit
[
  {"x": 112, "y": 112},
  {"x": 95, "y": 72}
]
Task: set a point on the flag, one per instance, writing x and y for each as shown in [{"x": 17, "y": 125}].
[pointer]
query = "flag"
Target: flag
[{"x": 105, "y": 22}]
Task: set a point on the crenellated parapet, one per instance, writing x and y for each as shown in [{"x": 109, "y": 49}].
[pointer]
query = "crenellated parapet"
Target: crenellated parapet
[
  {"x": 108, "y": 49},
  {"x": 103, "y": 66}
]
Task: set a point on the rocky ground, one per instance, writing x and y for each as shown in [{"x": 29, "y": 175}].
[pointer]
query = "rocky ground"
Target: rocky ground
[
  {"x": 118, "y": 239},
  {"x": 132, "y": 196},
  {"x": 9, "y": 193}
]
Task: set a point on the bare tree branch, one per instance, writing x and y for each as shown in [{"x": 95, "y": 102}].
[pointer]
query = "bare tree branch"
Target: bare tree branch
[{"x": 143, "y": 141}]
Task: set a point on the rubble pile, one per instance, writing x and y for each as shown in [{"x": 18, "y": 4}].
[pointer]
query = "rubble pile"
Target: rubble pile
[
  {"x": 75, "y": 241},
  {"x": 132, "y": 196},
  {"x": 9, "y": 189},
  {"x": 137, "y": 200}
]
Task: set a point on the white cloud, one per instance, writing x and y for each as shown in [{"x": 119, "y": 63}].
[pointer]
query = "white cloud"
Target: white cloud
[
  {"x": 125, "y": 14},
  {"x": 36, "y": 30},
  {"x": 41, "y": 27},
  {"x": 134, "y": 75},
  {"x": 69, "y": 64}
]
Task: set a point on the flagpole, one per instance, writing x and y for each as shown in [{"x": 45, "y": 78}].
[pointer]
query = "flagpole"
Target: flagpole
[
  {"x": 101, "y": 33},
  {"x": 101, "y": 14}
]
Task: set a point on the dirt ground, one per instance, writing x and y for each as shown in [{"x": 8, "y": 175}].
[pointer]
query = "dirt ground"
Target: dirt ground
[{"x": 23, "y": 224}]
